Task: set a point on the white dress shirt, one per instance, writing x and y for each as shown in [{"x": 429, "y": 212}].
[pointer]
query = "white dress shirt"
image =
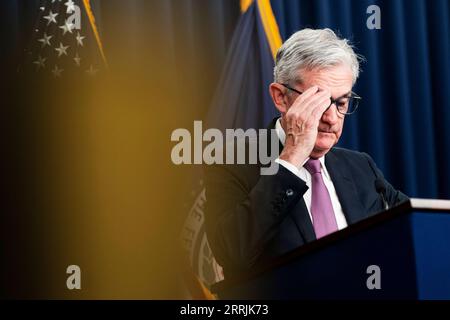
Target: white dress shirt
[{"x": 303, "y": 174}]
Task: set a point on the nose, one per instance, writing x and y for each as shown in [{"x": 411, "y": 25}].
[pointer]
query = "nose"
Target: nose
[{"x": 331, "y": 115}]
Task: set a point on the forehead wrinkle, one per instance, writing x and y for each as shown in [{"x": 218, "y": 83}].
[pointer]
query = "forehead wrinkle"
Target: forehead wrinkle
[{"x": 340, "y": 84}]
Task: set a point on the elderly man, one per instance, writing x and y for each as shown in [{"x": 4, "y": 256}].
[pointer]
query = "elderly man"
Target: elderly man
[{"x": 318, "y": 189}]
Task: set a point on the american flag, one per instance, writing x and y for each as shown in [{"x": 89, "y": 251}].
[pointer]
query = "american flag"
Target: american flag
[{"x": 65, "y": 40}]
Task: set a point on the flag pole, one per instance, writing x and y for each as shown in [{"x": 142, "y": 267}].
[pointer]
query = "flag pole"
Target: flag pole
[{"x": 90, "y": 14}]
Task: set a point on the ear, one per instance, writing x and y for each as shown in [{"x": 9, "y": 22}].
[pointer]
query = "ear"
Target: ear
[{"x": 278, "y": 94}]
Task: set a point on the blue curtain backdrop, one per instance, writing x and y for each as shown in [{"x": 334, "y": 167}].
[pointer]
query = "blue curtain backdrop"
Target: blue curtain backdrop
[{"x": 404, "y": 121}]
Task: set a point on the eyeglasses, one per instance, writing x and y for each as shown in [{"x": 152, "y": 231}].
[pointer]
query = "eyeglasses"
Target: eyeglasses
[{"x": 347, "y": 104}]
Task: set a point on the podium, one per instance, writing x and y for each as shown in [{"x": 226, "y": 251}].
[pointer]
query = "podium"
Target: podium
[{"x": 401, "y": 253}]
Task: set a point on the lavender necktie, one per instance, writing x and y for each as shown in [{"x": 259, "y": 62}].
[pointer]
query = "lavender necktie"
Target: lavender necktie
[{"x": 322, "y": 212}]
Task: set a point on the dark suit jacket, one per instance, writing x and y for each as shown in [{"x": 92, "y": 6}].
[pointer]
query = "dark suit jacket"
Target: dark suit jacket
[{"x": 252, "y": 218}]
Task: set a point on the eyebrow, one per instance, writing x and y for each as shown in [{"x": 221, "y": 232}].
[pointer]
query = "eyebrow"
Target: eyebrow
[{"x": 345, "y": 95}]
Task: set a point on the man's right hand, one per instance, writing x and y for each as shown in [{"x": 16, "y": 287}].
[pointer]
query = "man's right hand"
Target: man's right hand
[{"x": 301, "y": 123}]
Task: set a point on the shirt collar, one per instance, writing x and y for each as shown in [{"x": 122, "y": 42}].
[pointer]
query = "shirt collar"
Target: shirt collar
[{"x": 282, "y": 136}]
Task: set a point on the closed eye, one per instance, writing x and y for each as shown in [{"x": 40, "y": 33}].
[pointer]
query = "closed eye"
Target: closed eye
[{"x": 341, "y": 102}]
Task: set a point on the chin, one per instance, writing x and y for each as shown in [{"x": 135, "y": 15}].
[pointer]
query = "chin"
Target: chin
[{"x": 323, "y": 145}]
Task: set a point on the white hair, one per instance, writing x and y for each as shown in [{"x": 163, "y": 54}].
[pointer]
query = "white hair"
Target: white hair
[{"x": 309, "y": 49}]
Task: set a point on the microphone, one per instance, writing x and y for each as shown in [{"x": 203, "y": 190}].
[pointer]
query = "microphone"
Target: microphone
[{"x": 381, "y": 189}]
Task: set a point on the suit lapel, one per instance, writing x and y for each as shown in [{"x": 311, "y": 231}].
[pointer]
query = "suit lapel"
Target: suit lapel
[
  {"x": 303, "y": 221},
  {"x": 345, "y": 187}
]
